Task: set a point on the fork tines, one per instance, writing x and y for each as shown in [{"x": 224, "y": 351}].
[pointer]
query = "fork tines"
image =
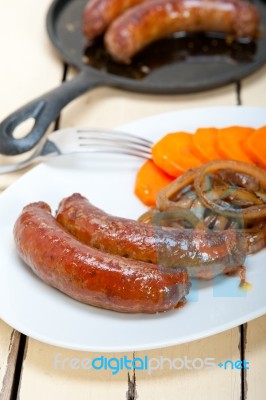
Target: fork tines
[{"x": 115, "y": 141}]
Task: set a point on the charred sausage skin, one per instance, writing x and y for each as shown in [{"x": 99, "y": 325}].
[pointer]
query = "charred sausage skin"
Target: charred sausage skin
[
  {"x": 165, "y": 246},
  {"x": 89, "y": 275},
  {"x": 156, "y": 19}
]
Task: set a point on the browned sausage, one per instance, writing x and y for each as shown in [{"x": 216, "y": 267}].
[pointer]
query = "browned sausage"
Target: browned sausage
[
  {"x": 140, "y": 241},
  {"x": 155, "y": 19},
  {"x": 98, "y": 15},
  {"x": 89, "y": 275}
]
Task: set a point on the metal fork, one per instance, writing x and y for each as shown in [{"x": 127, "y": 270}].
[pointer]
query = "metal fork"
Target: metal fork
[{"x": 71, "y": 141}]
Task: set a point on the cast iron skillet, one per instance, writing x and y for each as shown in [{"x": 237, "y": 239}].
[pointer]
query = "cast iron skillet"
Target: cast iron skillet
[{"x": 183, "y": 64}]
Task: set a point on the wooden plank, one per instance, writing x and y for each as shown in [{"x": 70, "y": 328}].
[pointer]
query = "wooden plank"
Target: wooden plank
[
  {"x": 9, "y": 341},
  {"x": 106, "y": 107},
  {"x": 43, "y": 378},
  {"x": 255, "y": 354},
  {"x": 217, "y": 383},
  {"x": 29, "y": 66},
  {"x": 172, "y": 382},
  {"x": 253, "y": 89},
  {"x": 9, "y": 338}
]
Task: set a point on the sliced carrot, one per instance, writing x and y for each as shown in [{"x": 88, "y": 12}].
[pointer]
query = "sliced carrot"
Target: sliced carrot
[
  {"x": 173, "y": 153},
  {"x": 150, "y": 179},
  {"x": 230, "y": 142},
  {"x": 203, "y": 144},
  {"x": 255, "y": 147}
]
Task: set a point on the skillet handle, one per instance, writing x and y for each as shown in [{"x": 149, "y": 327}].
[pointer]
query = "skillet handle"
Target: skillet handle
[{"x": 44, "y": 110}]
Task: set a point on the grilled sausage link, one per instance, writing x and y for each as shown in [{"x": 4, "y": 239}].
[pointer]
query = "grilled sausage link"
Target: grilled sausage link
[
  {"x": 166, "y": 246},
  {"x": 156, "y": 19},
  {"x": 98, "y": 15},
  {"x": 91, "y": 276}
]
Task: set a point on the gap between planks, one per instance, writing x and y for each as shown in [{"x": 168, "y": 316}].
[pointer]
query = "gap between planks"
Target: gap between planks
[
  {"x": 8, "y": 379},
  {"x": 243, "y": 327}
]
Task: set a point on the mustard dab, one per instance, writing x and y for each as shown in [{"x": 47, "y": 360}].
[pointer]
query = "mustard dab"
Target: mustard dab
[{"x": 245, "y": 286}]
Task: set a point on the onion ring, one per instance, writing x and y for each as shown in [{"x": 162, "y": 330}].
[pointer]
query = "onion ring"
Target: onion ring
[
  {"x": 252, "y": 212},
  {"x": 163, "y": 218},
  {"x": 163, "y": 201}
]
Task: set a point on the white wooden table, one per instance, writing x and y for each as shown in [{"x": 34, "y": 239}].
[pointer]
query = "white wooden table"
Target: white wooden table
[{"x": 29, "y": 67}]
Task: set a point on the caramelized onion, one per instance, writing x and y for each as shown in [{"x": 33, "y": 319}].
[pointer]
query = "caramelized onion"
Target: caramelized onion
[
  {"x": 240, "y": 179},
  {"x": 147, "y": 217},
  {"x": 256, "y": 238},
  {"x": 236, "y": 196},
  {"x": 168, "y": 218},
  {"x": 170, "y": 194},
  {"x": 218, "y": 196},
  {"x": 221, "y": 207}
]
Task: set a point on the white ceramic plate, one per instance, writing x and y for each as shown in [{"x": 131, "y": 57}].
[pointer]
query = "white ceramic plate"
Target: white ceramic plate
[{"x": 44, "y": 313}]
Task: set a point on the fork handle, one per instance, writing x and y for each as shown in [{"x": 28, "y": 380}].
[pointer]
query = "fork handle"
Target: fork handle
[{"x": 44, "y": 110}]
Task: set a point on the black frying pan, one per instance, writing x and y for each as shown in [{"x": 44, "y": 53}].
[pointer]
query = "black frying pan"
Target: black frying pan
[{"x": 183, "y": 64}]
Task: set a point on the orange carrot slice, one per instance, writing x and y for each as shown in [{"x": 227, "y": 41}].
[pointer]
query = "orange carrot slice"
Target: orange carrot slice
[
  {"x": 255, "y": 147},
  {"x": 150, "y": 179},
  {"x": 173, "y": 153},
  {"x": 204, "y": 144},
  {"x": 230, "y": 142}
]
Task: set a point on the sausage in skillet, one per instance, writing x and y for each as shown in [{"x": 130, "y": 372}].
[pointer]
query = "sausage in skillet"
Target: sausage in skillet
[
  {"x": 98, "y": 15},
  {"x": 156, "y": 19}
]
